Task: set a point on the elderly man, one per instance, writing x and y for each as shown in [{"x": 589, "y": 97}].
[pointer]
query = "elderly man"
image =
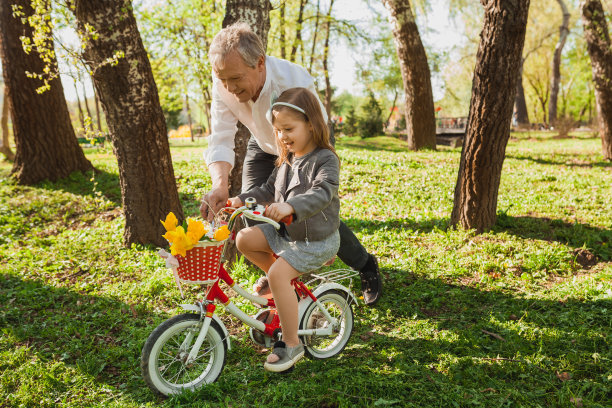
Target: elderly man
[{"x": 245, "y": 84}]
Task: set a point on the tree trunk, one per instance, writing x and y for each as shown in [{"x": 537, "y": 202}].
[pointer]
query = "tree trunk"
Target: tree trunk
[
  {"x": 98, "y": 116},
  {"x": 89, "y": 119},
  {"x": 207, "y": 113},
  {"x": 488, "y": 128},
  {"x": 78, "y": 100},
  {"x": 297, "y": 42},
  {"x": 46, "y": 146},
  {"x": 256, "y": 13},
  {"x": 392, "y": 107},
  {"x": 328, "y": 88},
  {"x": 188, "y": 113},
  {"x": 522, "y": 116},
  {"x": 5, "y": 147},
  {"x": 314, "y": 40},
  {"x": 135, "y": 120},
  {"x": 420, "y": 116},
  {"x": 281, "y": 27},
  {"x": 556, "y": 64},
  {"x": 599, "y": 47}
]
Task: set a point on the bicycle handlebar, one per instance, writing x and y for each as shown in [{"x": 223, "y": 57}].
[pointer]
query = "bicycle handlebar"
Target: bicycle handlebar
[{"x": 255, "y": 212}]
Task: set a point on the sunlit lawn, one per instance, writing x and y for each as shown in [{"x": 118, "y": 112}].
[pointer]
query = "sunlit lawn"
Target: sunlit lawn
[{"x": 519, "y": 316}]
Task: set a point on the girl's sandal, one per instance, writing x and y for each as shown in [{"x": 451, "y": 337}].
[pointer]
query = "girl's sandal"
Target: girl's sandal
[{"x": 288, "y": 356}]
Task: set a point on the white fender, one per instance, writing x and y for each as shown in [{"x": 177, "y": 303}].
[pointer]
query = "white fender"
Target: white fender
[
  {"x": 304, "y": 303},
  {"x": 196, "y": 309}
]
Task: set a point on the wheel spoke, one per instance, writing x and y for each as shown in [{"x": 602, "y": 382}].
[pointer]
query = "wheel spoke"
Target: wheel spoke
[{"x": 166, "y": 351}]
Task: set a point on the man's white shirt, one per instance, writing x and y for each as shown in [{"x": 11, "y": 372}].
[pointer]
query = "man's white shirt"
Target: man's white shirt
[{"x": 226, "y": 110}]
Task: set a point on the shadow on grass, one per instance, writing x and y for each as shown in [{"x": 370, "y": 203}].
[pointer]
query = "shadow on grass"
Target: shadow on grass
[
  {"x": 82, "y": 184},
  {"x": 372, "y": 226},
  {"x": 382, "y": 143},
  {"x": 561, "y": 160},
  {"x": 577, "y": 235},
  {"x": 428, "y": 349},
  {"x": 99, "y": 337},
  {"x": 483, "y": 346}
]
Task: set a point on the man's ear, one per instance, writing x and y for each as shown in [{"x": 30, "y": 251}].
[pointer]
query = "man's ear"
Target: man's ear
[{"x": 261, "y": 62}]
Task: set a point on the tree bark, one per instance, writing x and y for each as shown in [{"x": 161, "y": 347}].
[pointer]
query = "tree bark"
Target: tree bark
[
  {"x": 599, "y": 47},
  {"x": 135, "y": 120},
  {"x": 281, "y": 27},
  {"x": 46, "y": 146},
  {"x": 520, "y": 105},
  {"x": 297, "y": 42},
  {"x": 556, "y": 64},
  {"x": 420, "y": 116},
  {"x": 188, "y": 113},
  {"x": 256, "y": 13},
  {"x": 314, "y": 39},
  {"x": 328, "y": 88},
  {"x": 78, "y": 100},
  {"x": 98, "y": 116},
  {"x": 5, "y": 147},
  {"x": 488, "y": 128},
  {"x": 392, "y": 107},
  {"x": 89, "y": 120}
]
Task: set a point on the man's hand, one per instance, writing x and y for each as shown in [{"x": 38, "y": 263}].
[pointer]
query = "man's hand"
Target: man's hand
[
  {"x": 219, "y": 193},
  {"x": 216, "y": 199},
  {"x": 278, "y": 211},
  {"x": 234, "y": 202}
]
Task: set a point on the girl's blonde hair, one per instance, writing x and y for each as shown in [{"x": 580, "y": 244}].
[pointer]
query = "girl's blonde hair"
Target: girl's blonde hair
[{"x": 304, "y": 99}]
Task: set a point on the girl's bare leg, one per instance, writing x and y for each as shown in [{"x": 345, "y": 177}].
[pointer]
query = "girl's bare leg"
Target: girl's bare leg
[
  {"x": 280, "y": 275},
  {"x": 254, "y": 246}
]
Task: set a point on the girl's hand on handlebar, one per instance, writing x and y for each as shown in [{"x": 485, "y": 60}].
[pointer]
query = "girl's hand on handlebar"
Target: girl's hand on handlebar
[
  {"x": 278, "y": 211},
  {"x": 234, "y": 202}
]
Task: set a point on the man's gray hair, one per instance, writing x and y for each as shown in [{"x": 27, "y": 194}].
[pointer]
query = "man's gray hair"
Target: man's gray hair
[{"x": 239, "y": 37}]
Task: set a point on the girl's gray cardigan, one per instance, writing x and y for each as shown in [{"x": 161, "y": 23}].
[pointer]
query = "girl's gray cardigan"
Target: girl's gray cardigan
[{"x": 312, "y": 192}]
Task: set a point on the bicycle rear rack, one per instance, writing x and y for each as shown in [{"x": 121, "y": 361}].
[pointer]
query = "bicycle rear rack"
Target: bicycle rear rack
[{"x": 337, "y": 275}]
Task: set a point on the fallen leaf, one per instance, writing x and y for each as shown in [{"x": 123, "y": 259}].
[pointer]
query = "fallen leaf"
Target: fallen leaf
[
  {"x": 366, "y": 336},
  {"x": 489, "y": 390},
  {"x": 564, "y": 376},
  {"x": 576, "y": 401},
  {"x": 513, "y": 317}
]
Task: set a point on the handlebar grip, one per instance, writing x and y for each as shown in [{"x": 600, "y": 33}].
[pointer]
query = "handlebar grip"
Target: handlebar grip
[{"x": 287, "y": 220}]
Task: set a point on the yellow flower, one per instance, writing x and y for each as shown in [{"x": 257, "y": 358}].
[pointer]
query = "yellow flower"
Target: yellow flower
[
  {"x": 222, "y": 233},
  {"x": 170, "y": 236},
  {"x": 181, "y": 242},
  {"x": 195, "y": 230},
  {"x": 170, "y": 223}
]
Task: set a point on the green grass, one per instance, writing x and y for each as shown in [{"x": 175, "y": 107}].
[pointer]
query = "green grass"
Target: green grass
[{"x": 518, "y": 316}]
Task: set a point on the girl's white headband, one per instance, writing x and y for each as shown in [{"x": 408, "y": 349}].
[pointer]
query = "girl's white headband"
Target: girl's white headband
[{"x": 290, "y": 105}]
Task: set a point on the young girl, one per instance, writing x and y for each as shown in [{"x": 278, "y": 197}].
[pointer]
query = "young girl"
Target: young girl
[{"x": 304, "y": 184}]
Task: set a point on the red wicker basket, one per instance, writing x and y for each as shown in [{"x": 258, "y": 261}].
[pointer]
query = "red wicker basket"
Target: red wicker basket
[{"x": 201, "y": 265}]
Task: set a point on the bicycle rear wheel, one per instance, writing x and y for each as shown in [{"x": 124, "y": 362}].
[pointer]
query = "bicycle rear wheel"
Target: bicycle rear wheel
[
  {"x": 338, "y": 305},
  {"x": 165, "y": 353}
]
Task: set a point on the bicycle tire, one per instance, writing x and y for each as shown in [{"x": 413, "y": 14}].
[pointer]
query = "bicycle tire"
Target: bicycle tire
[
  {"x": 321, "y": 347},
  {"x": 161, "y": 365}
]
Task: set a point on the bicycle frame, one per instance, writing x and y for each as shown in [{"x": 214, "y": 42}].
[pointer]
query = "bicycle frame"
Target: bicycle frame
[{"x": 215, "y": 293}]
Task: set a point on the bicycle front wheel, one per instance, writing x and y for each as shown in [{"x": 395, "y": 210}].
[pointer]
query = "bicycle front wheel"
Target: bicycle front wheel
[
  {"x": 339, "y": 307},
  {"x": 164, "y": 355}
]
